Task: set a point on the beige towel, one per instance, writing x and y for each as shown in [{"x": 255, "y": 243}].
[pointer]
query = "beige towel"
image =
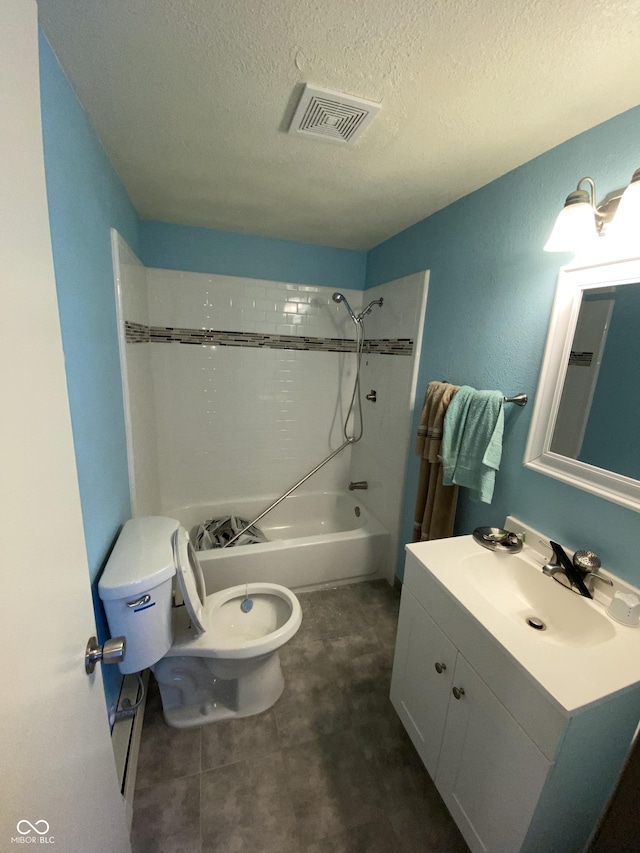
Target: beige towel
[{"x": 435, "y": 504}]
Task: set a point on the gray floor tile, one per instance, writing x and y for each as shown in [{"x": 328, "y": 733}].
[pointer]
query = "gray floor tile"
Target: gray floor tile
[
  {"x": 415, "y": 809},
  {"x": 315, "y": 701},
  {"x": 382, "y": 736},
  {"x": 328, "y": 768},
  {"x": 374, "y": 595},
  {"x": 306, "y": 713},
  {"x": 366, "y": 689},
  {"x": 303, "y": 653},
  {"x": 376, "y": 606},
  {"x": 330, "y": 613},
  {"x": 333, "y": 787},
  {"x": 420, "y": 830},
  {"x": 229, "y": 741},
  {"x": 377, "y": 837},
  {"x": 165, "y": 752},
  {"x": 246, "y": 807},
  {"x": 341, "y": 651},
  {"x": 314, "y": 616},
  {"x": 166, "y": 817}
]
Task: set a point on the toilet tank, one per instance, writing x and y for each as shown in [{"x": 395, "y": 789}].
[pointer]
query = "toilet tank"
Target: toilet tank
[{"x": 135, "y": 589}]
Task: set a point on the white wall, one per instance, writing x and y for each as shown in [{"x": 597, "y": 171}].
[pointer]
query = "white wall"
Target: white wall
[
  {"x": 214, "y": 422},
  {"x": 232, "y": 303},
  {"x": 139, "y": 401},
  {"x": 380, "y": 457},
  {"x": 238, "y": 421}
]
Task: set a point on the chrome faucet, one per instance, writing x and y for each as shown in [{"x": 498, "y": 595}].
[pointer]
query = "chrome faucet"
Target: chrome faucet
[
  {"x": 359, "y": 484},
  {"x": 553, "y": 567},
  {"x": 574, "y": 572}
]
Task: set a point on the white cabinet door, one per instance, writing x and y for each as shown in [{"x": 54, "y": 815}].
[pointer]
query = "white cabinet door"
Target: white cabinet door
[
  {"x": 490, "y": 773},
  {"x": 420, "y": 691}
]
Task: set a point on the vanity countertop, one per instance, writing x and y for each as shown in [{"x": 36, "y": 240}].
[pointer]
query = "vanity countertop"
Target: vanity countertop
[{"x": 581, "y": 656}]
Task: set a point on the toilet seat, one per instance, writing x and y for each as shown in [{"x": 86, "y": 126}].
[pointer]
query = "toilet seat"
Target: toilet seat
[
  {"x": 190, "y": 578},
  {"x": 209, "y": 643}
]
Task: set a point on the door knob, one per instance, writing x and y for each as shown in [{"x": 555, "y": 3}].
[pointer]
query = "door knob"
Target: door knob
[
  {"x": 458, "y": 692},
  {"x": 113, "y": 651},
  {"x": 440, "y": 667}
]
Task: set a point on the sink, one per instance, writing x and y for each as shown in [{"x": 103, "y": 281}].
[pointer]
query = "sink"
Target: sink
[
  {"x": 579, "y": 655},
  {"x": 519, "y": 590}
]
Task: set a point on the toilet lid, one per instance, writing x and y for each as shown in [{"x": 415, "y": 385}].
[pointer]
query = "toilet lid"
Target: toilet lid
[{"x": 190, "y": 578}]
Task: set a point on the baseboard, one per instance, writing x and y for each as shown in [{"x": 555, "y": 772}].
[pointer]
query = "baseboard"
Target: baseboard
[{"x": 125, "y": 739}]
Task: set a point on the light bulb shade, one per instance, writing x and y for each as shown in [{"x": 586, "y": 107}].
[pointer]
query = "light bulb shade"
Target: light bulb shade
[
  {"x": 575, "y": 228},
  {"x": 626, "y": 222}
]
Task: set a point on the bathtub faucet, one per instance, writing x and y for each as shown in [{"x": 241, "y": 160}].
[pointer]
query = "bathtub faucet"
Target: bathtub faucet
[{"x": 359, "y": 484}]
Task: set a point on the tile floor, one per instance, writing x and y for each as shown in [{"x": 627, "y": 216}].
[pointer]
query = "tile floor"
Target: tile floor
[{"x": 328, "y": 769}]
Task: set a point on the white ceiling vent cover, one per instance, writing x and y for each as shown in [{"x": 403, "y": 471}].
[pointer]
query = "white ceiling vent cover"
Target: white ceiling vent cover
[{"x": 332, "y": 116}]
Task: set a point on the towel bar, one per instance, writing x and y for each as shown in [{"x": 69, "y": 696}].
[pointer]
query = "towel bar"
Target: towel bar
[{"x": 519, "y": 399}]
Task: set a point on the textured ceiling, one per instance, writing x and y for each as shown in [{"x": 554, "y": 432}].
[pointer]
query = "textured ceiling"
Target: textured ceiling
[{"x": 192, "y": 98}]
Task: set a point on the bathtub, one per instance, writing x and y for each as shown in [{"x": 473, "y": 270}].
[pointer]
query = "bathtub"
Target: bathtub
[{"x": 315, "y": 540}]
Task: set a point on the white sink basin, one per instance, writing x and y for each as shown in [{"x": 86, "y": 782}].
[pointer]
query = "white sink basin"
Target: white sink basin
[
  {"x": 580, "y": 656},
  {"x": 519, "y": 590}
]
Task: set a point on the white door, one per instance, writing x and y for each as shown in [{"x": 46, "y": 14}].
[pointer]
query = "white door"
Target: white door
[
  {"x": 59, "y": 782},
  {"x": 581, "y": 377}
]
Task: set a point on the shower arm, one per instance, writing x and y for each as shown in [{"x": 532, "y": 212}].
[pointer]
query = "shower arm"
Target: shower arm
[{"x": 349, "y": 441}]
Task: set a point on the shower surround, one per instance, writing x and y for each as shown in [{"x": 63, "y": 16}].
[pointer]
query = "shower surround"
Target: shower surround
[{"x": 236, "y": 387}]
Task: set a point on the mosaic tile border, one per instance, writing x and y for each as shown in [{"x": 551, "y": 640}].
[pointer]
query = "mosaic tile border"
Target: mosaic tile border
[{"x": 136, "y": 333}]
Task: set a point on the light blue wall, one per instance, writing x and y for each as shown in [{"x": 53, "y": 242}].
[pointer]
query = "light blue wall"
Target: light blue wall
[
  {"x": 86, "y": 198},
  {"x": 181, "y": 247},
  {"x": 490, "y": 295}
]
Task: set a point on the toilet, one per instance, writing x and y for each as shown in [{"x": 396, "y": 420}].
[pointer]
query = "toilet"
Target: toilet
[{"x": 214, "y": 656}]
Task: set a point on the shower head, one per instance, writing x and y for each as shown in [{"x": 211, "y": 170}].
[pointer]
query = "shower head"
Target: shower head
[
  {"x": 367, "y": 310},
  {"x": 340, "y": 297}
]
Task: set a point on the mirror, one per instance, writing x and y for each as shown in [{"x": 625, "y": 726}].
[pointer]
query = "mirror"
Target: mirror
[{"x": 587, "y": 411}]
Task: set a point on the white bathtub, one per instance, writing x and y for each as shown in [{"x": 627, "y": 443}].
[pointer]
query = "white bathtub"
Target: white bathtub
[{"x": 314, "y": 540}]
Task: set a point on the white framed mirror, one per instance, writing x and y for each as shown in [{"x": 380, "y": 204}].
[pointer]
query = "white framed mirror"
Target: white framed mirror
[{"x": 585, "y": 428}]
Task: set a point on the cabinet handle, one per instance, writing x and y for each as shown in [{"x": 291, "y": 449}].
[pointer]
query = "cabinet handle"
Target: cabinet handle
[
  {"x": 440, "y": 667},
  {"x": 458, "y": 692}
]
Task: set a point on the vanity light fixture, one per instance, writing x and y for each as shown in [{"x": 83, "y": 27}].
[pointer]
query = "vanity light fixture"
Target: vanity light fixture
[
  {"x": 627, "y": 219},
  {"x": 581, "y": 220}
]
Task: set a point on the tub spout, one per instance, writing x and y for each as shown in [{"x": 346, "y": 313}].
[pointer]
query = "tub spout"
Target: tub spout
[{"x": 359, "y": 484}]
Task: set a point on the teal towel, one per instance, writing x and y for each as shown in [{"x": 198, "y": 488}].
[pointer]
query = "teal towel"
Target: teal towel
[{"x": 472, "y": 441}]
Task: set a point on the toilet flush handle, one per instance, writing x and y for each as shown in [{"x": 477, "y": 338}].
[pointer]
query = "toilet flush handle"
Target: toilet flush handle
[
  {"x": 139, "y": 602},
  {"x": 113, "y": 651}
]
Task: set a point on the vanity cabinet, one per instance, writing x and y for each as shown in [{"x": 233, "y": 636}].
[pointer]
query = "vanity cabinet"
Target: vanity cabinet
[
  {"x": 419, "y": 691},
  {"x": 490, "y": 772},
  {"x": 487, "y": 769},
  {"x": 519, "y": 773}
]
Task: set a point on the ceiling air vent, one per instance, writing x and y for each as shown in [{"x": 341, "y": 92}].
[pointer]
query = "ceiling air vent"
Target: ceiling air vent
[{"x": 332, "y": 116}]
